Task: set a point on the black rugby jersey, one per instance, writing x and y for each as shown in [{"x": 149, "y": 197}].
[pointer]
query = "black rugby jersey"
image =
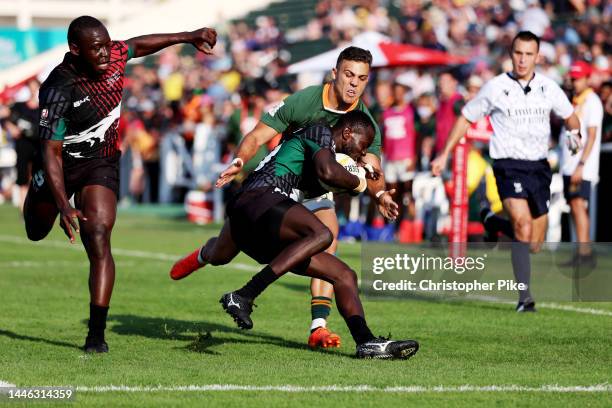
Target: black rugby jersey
[
  {"x": 291, "y": 165},
  {"x": 83, "y": 111}
]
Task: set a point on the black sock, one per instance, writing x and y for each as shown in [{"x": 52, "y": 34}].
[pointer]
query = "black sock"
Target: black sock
[
  {"x": 521, "y": 266},
  {"x": 359, "y": 329},
  {"x": 258, "y": 283},
  {"x": 497, "y": 223},
  {"x": 97, "y": 320}
]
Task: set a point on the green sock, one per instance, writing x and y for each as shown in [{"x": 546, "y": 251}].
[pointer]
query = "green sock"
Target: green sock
[{"x": 320, "y": 307}]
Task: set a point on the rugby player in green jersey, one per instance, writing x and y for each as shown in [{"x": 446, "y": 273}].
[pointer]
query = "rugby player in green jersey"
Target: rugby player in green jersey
[
  {"x": 318, "y": 104},
  {"x": 264, "y": 222}
]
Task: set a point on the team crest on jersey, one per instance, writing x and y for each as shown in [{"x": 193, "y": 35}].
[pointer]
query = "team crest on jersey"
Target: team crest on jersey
[
  {"x": 44, "y": 115},
  {"x": 518, "y": 187},
  {"x": 275, "y": 109}
]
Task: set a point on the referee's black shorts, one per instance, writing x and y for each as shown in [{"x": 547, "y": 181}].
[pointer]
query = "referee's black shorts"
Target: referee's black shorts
[{"x": 525, "y": 179}]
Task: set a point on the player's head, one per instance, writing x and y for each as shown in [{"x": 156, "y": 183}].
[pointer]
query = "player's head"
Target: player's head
[
  {"x": 353, "y": 134},
  {"x": 524, "y": 54},
  {"x": 350, "y": 76},
  {"x": 89, "y": 41},
  {"x": 579, "y": 74}
]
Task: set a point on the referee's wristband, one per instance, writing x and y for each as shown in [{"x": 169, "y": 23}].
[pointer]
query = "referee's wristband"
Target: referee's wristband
[{"x": 238, "y": 162}]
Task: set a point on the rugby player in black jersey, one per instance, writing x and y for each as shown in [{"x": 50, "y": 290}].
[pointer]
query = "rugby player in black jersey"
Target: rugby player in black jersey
[
  {"x": 79, "y": 113},
  {"x": 267, "y": 224}
]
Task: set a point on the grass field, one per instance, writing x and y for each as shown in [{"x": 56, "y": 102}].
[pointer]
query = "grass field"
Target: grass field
[{"x": 164, "y": 335}]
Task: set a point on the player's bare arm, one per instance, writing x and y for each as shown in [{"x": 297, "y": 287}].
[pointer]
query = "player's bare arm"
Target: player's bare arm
[
  {"x": 331, "y": 172},
  {"x": 376, "y": 188},
  {"x": 247, "y": 148},
  {"x": 53, "y": 164},
  {"x": 459, "y": 130},
  {"x": 204, "y": 39}
]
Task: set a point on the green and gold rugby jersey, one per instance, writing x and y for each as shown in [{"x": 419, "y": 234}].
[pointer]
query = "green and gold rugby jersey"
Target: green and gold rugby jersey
[
  {"x": 311, "y": 106},
  {"x": 290, "y": 165}
]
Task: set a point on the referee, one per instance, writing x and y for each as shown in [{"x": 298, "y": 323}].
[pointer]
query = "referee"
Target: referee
[{"x": 519, "y": 105}]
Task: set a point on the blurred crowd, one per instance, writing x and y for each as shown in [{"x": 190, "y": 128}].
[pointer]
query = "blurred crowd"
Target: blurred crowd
[{"x": 185, "y": 113}]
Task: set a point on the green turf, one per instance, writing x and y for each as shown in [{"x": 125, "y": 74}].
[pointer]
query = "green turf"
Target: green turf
[{"x": 165, "y": 333}]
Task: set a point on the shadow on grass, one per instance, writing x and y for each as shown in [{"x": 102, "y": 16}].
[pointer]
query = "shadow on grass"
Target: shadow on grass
[
  {"x": 296, "y": 287},
  {"x": 201, "y": 335},
  {"x": 16, "y": 336}
]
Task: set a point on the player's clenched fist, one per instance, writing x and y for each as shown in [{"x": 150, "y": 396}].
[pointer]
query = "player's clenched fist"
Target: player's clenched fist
[{"x": 204, "y": 39}]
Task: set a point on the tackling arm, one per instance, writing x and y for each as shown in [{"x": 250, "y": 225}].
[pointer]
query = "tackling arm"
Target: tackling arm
[
  {"x": 376, "y": 188},
  {"x": 246, "y": 150}
]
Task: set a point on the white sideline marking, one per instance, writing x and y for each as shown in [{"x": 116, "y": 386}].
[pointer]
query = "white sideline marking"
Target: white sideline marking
[
  {"x": 157, "y": 256},
  {"x": 4, "y": 384},
  {"x": 569, "y": 308},
  {"x": 352, "y": 388},
  {"x": 549, "y": 305},
  {"x": 170, "y": 257},
  {"x": 50, "y": 263}
]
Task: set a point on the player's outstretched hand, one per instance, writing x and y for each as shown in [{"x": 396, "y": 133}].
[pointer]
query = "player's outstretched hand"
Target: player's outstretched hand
[
  {"x": 205, "y": 39},
  {"x": 229, "y": 173},
  {"x": 386, "y": 206},
  {"x": 439, "y": 164},
  {"x": 68, "y": 221}
]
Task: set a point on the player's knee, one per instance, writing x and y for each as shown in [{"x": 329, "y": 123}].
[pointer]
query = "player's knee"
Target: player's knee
[
  {"x": 323, "y": 237},
  {"x": 35, "y": 229},
  {"x": 522, "y": 229},
  {"x": 348, "y": 277},
  {"x": 98, "y": 235},
  {"x": 35, "y": 234}
]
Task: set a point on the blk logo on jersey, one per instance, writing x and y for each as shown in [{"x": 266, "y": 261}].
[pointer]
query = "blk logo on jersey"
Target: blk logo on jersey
[{"x": 76, "y": 104}]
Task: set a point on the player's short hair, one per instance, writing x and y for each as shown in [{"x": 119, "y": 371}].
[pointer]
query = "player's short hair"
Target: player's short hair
[
  {"x": 354, "y": 54},
  {"x": 80, "y": 24},
  {"x": 358, "y": 121},
  {"x": 525, "y": 36}
]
